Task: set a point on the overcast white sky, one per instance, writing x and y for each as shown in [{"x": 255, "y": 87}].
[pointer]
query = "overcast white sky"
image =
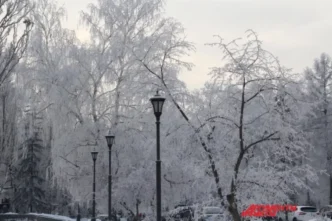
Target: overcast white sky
[{"x": 296, "y": 31}]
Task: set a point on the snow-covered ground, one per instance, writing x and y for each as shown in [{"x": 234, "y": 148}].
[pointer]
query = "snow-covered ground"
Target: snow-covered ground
[
  {"x": 321, "y": 219},
  {"x": 86, "y": 219},
  {"x": 58, "y": 217},
  {"x": 52, "y": 216}
]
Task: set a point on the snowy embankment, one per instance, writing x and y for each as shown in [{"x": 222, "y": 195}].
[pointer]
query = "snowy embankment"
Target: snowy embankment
[
  {"x": 85, "y": 219},
  {"x": 320, "y": 219},
  {"x": 51, "y": 216}
]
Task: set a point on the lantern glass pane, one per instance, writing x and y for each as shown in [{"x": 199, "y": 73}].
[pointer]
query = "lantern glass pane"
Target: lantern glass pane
[
  {"x": 161, "y": 103},
  {"x": 155, "y": 106},
  {"x": 110, "y": 139},
  {"x": 94, "y": 155}
]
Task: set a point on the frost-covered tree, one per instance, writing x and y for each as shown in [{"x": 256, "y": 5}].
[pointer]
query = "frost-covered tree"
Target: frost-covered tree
[
  {"x": 9, "y": 117},
  {"x": 235, "y": 140},
  {"x": 46, "y": 64},
  {"x": 250, "y": 118},
  {"x": 30, "y": 192},
  {"x": 39, "y": 89},
  {"x": 166, "y": 45},
  {"x": 15, "y": 28},
  {"x": 318, "y": 118},
  {"x": 112, "y": 92}
]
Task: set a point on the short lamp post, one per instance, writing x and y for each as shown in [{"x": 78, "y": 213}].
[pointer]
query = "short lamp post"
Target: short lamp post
[
  {"x": 157, "y": 104},
  {"x": 94, "y": 158},
  {"x": 110, "y": 141}
]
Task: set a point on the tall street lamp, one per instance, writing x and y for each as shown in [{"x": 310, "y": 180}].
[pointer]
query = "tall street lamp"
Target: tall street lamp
[
  {"x": 94, "y": 158},
  {"x": 110, "y": 142},
  {"x": 157, "y": 103}
]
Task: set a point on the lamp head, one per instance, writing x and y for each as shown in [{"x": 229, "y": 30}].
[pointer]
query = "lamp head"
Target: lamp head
[
  {"x": 94, "y": 155},
  {"x": 110, "y": 140},
  {"x": 157, "y": 104}
]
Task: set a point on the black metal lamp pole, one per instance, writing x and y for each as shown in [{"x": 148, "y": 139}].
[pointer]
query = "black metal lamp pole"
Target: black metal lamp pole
[
  {"x": 157, "y": 103},
  {"x": 110, "y": 142},
  {"x": 94, "y": 158},
  {"x": 78, "y": 218}
]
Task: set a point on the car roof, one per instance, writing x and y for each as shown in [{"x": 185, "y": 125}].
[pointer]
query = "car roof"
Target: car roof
[{"x": 306, "y": 207}]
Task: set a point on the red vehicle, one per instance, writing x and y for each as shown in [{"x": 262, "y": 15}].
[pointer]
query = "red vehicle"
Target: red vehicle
[{"x": 266, "y": 212}]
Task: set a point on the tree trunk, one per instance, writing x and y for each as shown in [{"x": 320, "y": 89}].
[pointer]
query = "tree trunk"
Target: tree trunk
[
  {"x": 330, "y": 200},
  {"x": 203, "y": 144},
  {"x": 3, "y": 122},
  {"x": 137, "y": 204},
  {"x": 232, "y": 208}
]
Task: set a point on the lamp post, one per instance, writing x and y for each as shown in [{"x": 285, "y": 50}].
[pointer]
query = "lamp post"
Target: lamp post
[
  {"x": 157, "y": 104},
  {"x": 78, "y": 218},
  {"x": 94, "y": 158},
  {"x": 110, "y": 142}
]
